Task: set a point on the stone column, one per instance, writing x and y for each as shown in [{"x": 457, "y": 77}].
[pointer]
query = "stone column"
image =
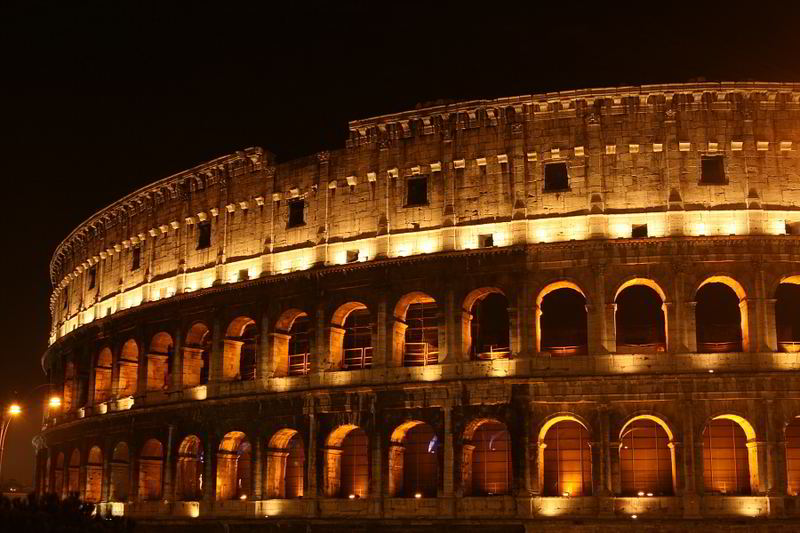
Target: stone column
[
  {"x": 176, "y": 378},
  {"x": 768, "y": 340},
  {"x": 310, "y": 490},
  {"x": 215, "y": 371},
  {"x": 210, "y": 468},
  {"x": 690, "y": 326},
  {"x": 605, "y": 451},
  {"x": 610, "y": 333},
  {"x": 169, "y": 468},
  {"x": 752, "y": 338},
  {"x": 257, "y": 469},
  {"x": 105, "y": 493},
  {"x": 381, "y": 354},
  {"x": 321, "y": 357},
  {"x": 526, "y": 319},
  {"x": 524, "y": 486},
  {"x": 264, "y": 365},
  {"x": 449, "y": 456},
  {"x": 614, "y": 467}
]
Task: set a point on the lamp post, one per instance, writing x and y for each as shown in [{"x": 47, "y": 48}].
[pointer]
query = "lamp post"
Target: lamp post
[{"x": 13, "y": 411}]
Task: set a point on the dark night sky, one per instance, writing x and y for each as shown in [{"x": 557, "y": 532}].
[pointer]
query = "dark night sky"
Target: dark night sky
[{"x": 98, "y": 99}]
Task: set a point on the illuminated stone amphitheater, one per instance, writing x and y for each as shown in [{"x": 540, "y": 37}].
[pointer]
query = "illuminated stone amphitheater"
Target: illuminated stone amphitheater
[{"x": 506, "y": 314}]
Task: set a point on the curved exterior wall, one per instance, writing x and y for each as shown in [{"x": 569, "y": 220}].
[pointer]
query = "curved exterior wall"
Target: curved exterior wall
[{"x": 487, "y": 222}]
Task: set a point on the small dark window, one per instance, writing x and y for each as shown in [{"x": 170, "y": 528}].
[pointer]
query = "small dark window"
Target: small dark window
[
  {"x": 66, "y": 297},
  {"x": 297, "y": 216},
  {"x": 556, "y": 177},
  {"x": 712, "y": 170},
  {"x": 639, "y": 231},
  {"x": 417, "y": 191},
  {"x": 244, "y": 274},
  {"x": 203, "y": 235},
  {"x": 136, "y": 258},
  {"x": 486, "y": 241},
  {"x": 352, "y": 256},
  {"x": 793, "y": 228},
  {"x": 92, "y": 277}
]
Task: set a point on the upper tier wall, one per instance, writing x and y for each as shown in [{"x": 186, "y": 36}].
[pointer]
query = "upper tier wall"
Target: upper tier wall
[{"x": 629, "y": 151}]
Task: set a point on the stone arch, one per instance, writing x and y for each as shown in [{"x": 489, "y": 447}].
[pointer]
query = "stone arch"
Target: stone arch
[
  {"x": 196, "y": 355},
  {"x": 285, "y": 465},
  {"x": 640, "y": 316},
  {"x": 159, "y": 361},
  {"x": 58, "y": 475},
  {"x": 415, "y": 331},
  {"x": 347, "y": 465},
  {"x": 74, "y": 472},
  {"x": 234, "y": 458},
  {"x": 102, "y": 375},
  {"x": 647, "y": 456},
  {"x": 239, "y": 350},
  {"x": 564, "y": 457},
  {"x": 731, "y": 334},
  {"x": 572, "y": 340},
  {"x": 120, "y": 473},
  {"x": 291, "y": 344},
  {"x": 94, "y": 475},
  {"x": 351, "y": 337},
  {"x": 792, "y": 440},
  {"x": 128, "y": 371},
  {"x": 486, "y": 464},
  {"x": 414, "y": 460},
  {"x": 787, "y": 313},
  {"x": 485, "y": 324},
  {"x": 735, "y": 470},
  {"x": 151, "y": 467},
  {"x": 189, "y": 475}
]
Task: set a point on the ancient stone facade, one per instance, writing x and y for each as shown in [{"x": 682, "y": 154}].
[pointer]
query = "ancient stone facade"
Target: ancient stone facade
[{"x": 573, "y": 305}]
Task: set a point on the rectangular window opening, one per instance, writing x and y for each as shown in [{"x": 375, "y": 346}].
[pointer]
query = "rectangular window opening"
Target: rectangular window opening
[
  {"x": 244, "y": 274},
  {"x": 793, "y": 228},
  {"x": 486, "y": 241},
  {"x": 352, "y": 256},
  {"x": 556, "y": 177},
  {"x": 712, "y": 170},
  {"x": 297, "y": 213},
  {"x": 639, "y": 231},
  {"x": 92, "y": 277},
  {"x": 136, "y": 258},
  {"x": 203, "y": 235},
  {"x": 417, "y": 193}
]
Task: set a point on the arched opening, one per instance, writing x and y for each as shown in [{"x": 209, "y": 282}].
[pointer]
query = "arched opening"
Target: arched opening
[
  {"x": 189, "y": 482},
  {"x": 414, "y": 461},
  {"x": 291, "y": 344},
  {"x": 128, "y": 369},
  {"x": 239, "y": 350},
  {"x": 159, "y": 361},
  {"x": 151, "y": 465},
  {"x": 347, "y": 467},
  {"x": 485, "y": 324},
  {"x": 565, "y": 458},
  {"x": 70, "y": 384},
  {"x": 351, "y": 337},
  {"x": 285, "y": 465},
  {"x": 562, "y": 320},
  {"x": 74, "y": 472},
  {"x": 486, "y": 467},
  {"x": 58, "y": 474},
  {"x": 792, "y": 435},
  {"x": 196, "y": 354},
  {"x": 233, "y": 467},
  {"x": 102, "y": 376},
  {"x": 787, "y": 315},
  {"x": 94, "y": 475},
  {"x": 640, "y": 319},
  {"x": 120, "y": 473},
  {"x": 719, "y": 315},
  {"x": 727, "y": 456},
  {"x": 647, "y": 459},
  {"x": 416, "y": 330}
]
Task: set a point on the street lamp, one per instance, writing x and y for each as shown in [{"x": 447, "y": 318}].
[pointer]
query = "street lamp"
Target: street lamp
[
  {"x": 54, "y": 402},
  {"x": 13, "y": 411}
]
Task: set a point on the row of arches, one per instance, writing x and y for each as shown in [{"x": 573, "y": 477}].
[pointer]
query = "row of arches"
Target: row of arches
[
  {"x": 564, "y": 459},
  {"x": 418, "y": 331}
]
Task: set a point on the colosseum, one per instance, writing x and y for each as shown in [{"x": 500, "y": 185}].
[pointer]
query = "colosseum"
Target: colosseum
[{"x": 576, "y": 309}]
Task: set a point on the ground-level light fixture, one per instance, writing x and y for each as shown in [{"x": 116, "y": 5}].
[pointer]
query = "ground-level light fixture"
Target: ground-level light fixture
[
  {"x": 14, "y": 409},
  {"x": 352, "y": 496},
  {"x": 54, "y": 402},
  {"x": 418, "y": 495}
]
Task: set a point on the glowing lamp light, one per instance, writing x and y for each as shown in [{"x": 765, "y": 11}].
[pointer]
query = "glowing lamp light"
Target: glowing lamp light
[
  {"x": 710, "y": 370},
  {"x": 649, "y": 494},
  {"x": 640, "y": 493},
  {"x": 14, "y": 409},
  {"x": 565, "y": 494},
  {"x": 54, "y": 402},
  {"x": 634, "y": 516},
  {"x": 243, "y": 497},
  {"x": 418, "y": 495}
]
